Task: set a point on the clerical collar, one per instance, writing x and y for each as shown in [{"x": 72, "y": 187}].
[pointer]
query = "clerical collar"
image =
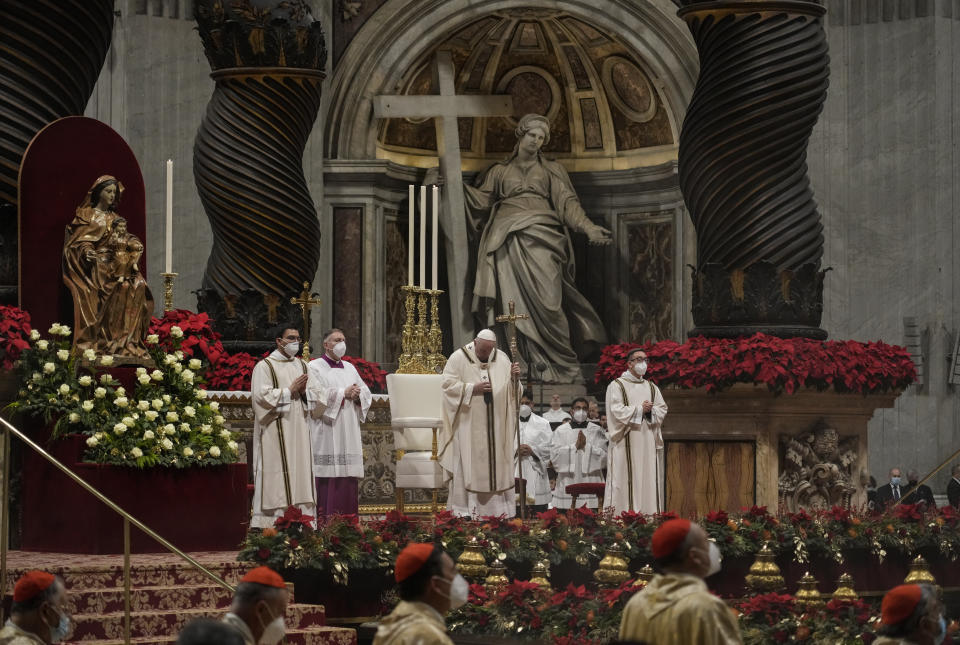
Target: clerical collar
[
  {"x": 331, "y": 362},
  {"x": 578, "y": 425},
  {"x": 277, "y": 355}
]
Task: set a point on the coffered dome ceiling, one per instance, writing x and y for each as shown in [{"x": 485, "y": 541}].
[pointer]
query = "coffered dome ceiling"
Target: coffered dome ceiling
[{"x": 606, "y": 111}]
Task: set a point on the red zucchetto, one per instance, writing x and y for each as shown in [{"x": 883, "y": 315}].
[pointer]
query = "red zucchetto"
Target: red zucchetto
[
  {"x": 899, "y": 603},
  {"x": 409, "y": 561},
  {"x": 668, "y": 537},
  {"x": 30, "y": 584},
  {"x": 264, "y": 576}
]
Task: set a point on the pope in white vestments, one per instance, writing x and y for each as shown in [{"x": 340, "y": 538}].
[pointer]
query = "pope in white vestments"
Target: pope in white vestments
[
  {"x": 635, "y": 413},
  {"x": 284, "y": 396},
  {"x": 578, "y": 460},
  {"x": 337, "y": 449},
  {"x": 535, "y": 435},
  {"x": 479, "y": 412}
]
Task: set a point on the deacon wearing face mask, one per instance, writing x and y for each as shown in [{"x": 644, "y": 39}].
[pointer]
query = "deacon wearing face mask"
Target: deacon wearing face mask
[
  {"x": 579, "y": 455},
  {"x": 676, "y": 608},
  {"x": 284, "y": 397},
  {"x": 429, "y": 587},
  {"x": 259, "y": 605},
  {"x": 337, "y": 450},
  {"x": 534, "y": 451},
  {"x": 635, "y": 413},
  {"x": 37, "y": 616}
]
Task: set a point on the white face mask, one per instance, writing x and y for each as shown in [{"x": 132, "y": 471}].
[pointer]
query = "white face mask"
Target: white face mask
[
  {"x": 291, "y": 349},
  {"x": 525, "y": 411},
  {"x": 274, "y": 632},
  {"x": 579, "y": 416},
  {"x": 339, "y": 350},
  {"x": 459, "y": 591},
  {"x": 640, "y": 368},
  {"x": 716, "y": 560}
]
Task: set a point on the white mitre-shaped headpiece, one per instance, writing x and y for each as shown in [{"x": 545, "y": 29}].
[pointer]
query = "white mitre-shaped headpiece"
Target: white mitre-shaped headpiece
[{"x": 487, "y": 334}]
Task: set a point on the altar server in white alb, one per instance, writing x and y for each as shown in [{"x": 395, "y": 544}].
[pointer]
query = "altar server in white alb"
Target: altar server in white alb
[
  {"x": 481, "y": 388},
  {"x": 284, "y": 398},
  {"x": 579, "y": 455},
  {"x": 337, "y": 449},
  {"x": 635, "y": 414},
  {"x": 535, "y": 437}
]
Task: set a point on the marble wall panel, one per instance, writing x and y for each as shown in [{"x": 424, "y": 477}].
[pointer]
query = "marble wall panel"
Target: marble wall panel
[
  {"x": 348, "y": 275},
  {"x": 395, "y": 268},
  {"x": 649, "y": 288}
]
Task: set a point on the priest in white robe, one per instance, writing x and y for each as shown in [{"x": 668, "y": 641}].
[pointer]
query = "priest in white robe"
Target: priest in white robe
[
  {"x": 635, "y": 414},
  {"x": 535, "y": 438},
  {"x": 481, "y": 388},
  {"x": 556, "y": 414},
  {"x": 337, "y": 449},
  {"x": 579, "y": 455},
  {"x": 284, "y": 397}
]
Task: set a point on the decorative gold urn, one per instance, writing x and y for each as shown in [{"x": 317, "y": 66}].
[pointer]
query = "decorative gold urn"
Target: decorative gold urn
[
  {"x": 540, "y": 575},
  {"x": 613, "y": 569},
  {"x": 920, "y": 573},
  {"x": 808, "y": 596},
  {"x": 471, "y": 562},
  {"x": 845, "y": 589},
  {"x": 764, "y": 574},
  {"x": 645, "y": 575},
  {"x": 496, "y": 578}
]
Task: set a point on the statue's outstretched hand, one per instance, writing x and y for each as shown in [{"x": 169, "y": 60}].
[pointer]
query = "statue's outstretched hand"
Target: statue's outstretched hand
[{"x": 598, "y": 236}]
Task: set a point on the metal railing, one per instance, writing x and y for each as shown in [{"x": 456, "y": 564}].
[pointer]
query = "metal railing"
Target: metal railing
[{"x": 6, "y": 429}]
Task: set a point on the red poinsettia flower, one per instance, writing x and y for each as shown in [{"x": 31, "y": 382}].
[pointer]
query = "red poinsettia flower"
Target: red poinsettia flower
[
  {"x": 292, "y": 516},
  {"x": 907, "y": 512},
  {"x": 717, "y": 517},
  {"x": 14, "y": 335}
]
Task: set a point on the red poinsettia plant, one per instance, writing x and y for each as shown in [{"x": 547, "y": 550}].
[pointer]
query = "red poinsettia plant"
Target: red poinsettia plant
[
  {"x": 370, "y": 372},
  {"x": 15, "y": 333},
  {"x": 198, "y": 338},
  {"x": 782, "y": 364}
]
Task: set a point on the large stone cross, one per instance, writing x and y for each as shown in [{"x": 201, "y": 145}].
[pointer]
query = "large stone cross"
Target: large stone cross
[{"x": 444, "y": 108}]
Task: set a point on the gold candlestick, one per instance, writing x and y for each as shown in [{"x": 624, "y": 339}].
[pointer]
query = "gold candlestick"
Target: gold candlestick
[
  {"x": 436, "y": 361},
  {"x": 409, "y": 363},
  {"x": 168, "y": 290},
  {"x": 420, "y": 350}
]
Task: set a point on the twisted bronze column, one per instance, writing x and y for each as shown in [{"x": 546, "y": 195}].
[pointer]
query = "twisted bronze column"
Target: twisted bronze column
[
  {"x": 763, "y": 79},
  {"x": 267, "y": 58}
]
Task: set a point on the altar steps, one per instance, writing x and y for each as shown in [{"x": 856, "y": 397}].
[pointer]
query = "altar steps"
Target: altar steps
[{"x": 167, "y": 593}]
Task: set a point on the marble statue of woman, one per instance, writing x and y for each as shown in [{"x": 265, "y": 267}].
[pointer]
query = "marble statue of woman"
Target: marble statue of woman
[{"x": 525, "y": 253}]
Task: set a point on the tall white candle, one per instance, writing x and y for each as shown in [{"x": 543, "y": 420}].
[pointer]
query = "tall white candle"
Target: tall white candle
[
  {"x": 433, "y": 256},
  {"x": 412, "y": 213},
  {"x": 423, "y": 237},
  {"x": 169, "y": 226}
]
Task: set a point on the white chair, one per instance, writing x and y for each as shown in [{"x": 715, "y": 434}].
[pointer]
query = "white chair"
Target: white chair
[{"x": 416, "y": 411}]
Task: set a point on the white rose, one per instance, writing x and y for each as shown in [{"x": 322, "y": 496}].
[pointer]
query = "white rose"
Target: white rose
[
  {"x": 232, "y": 445},
  {"x": 49, "y": 368},
  {"x": 150, "y": 415},
  {"x": 119, "y": 428},
  {"x": 179, "y": 355},
  {"x": 143, "y": 406},
  {"x": 136, "y": 452},
  {"x": 187, "y": 375},
  {"x": 54, "y": 329},
  {"x": 121, "y": 402},
  {"x": 141, "y": 370},
  {"x": 36, "y": 376},
  {"x": 85, "y": 380},
  {"x": 148, "y": 434},
  {"x": 166, "y": 398},
  {"x": 106, "y": 360},
  {"x": 34, "y": 334},
  {"x": 189, "y": 411},
  {"x": 187, "y": 451},
  {"x": 106, "y": 379},
  {"x": 144, "y": 379},
  {"x": 169, "y": 359},
  {"x": 176, "y": 332},
  {"x": 74, "y": 417},
  {"x": 169, "y": 429},
  {"x": 63, "y": 355},
  {"x": 156, "y": 375},
  {"x": 214, "y": 451},
  {"x": 177, "y": 368},
  {"x": 92, "y": 441},
  {"x": 153, "y": 339},
  {"x": 120, "y": 391},
  {"x": 99, "y": 393},
  {"x": 128, "y": 421},
  {"x": 172, "y": 416},
  {"x": 206, "y": 428},
  {"x": 87, "y": 405},
  {"x": 225, "y": 433},
  {"x": 184, "y": 427},
  {"x": 157, "y": 404},
  {"x": 200, "y": 394},
  {"x": 195, "y": 364},
  {"x": 89, "y": 355},
  {"x": 214, "y": 405},
  {"x": 167, "y": 444},
  {"x": 218, "y": 420},
  {"x": 43, "y": 344},
  {"x": 64, "y": 389},
  {"x": 64, "y": 330}
]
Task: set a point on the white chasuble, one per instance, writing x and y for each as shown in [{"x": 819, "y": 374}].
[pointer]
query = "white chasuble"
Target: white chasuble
[
  {"x": 337, "y": 449},
  {"x": 477, "y": 447},
  {"x": 577, "y": 466},
  {"x": 536, "y": 433},
  {"x": 282, "y": 454},
  {"x": 635, "y": 472}
]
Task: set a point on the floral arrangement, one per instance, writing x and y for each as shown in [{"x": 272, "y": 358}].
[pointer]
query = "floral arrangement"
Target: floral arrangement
[
  {"x": 14, "y": 335},
  {"x": 782, "y": 364},
  {"x": 777, "y": 618},
  {"x": 370, "y": 372},
  {"x": 232, "y": 372},
  {"x": 198, "y": 340},
  {"x": 165, "y": 421}
]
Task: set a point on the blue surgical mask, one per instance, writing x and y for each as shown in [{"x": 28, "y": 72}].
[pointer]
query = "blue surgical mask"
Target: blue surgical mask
[
  {"x": 894, "y": 481},
  {"x": 59, "y": 633},
  {"x": 942, "y": 634}
]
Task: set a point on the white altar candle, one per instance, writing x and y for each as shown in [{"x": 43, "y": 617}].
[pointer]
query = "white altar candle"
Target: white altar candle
[
  {"x": 423, "y": 237},
  {"x": 433, "y": 256},
  {"x": 169, "y": 228},
  {"x": 412, "y": 213}
]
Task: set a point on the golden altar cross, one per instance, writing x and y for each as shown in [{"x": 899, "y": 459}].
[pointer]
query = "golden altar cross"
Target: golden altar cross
[
  {"x": 306, "y": 302},
  {"x": 511, "y": 320}
]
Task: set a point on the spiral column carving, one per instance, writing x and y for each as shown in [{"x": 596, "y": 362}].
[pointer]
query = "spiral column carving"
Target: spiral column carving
[{"x": 764, "y": 72}]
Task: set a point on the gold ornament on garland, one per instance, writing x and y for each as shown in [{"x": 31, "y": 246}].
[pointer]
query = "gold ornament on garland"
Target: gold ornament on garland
[
  {"x": 645, "y": 575},
  {"x": 920, "y": 573},
  {"x": 497, "y": 578},
  {"x": 764, "y": 574},
  {"x": 808, "y": 596},
  {"x": 471, "y": 562},
  {"x": 845, "y": 589},
  {"x": 613, "y": 569},
  {"x": 540, "y": 575}
]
